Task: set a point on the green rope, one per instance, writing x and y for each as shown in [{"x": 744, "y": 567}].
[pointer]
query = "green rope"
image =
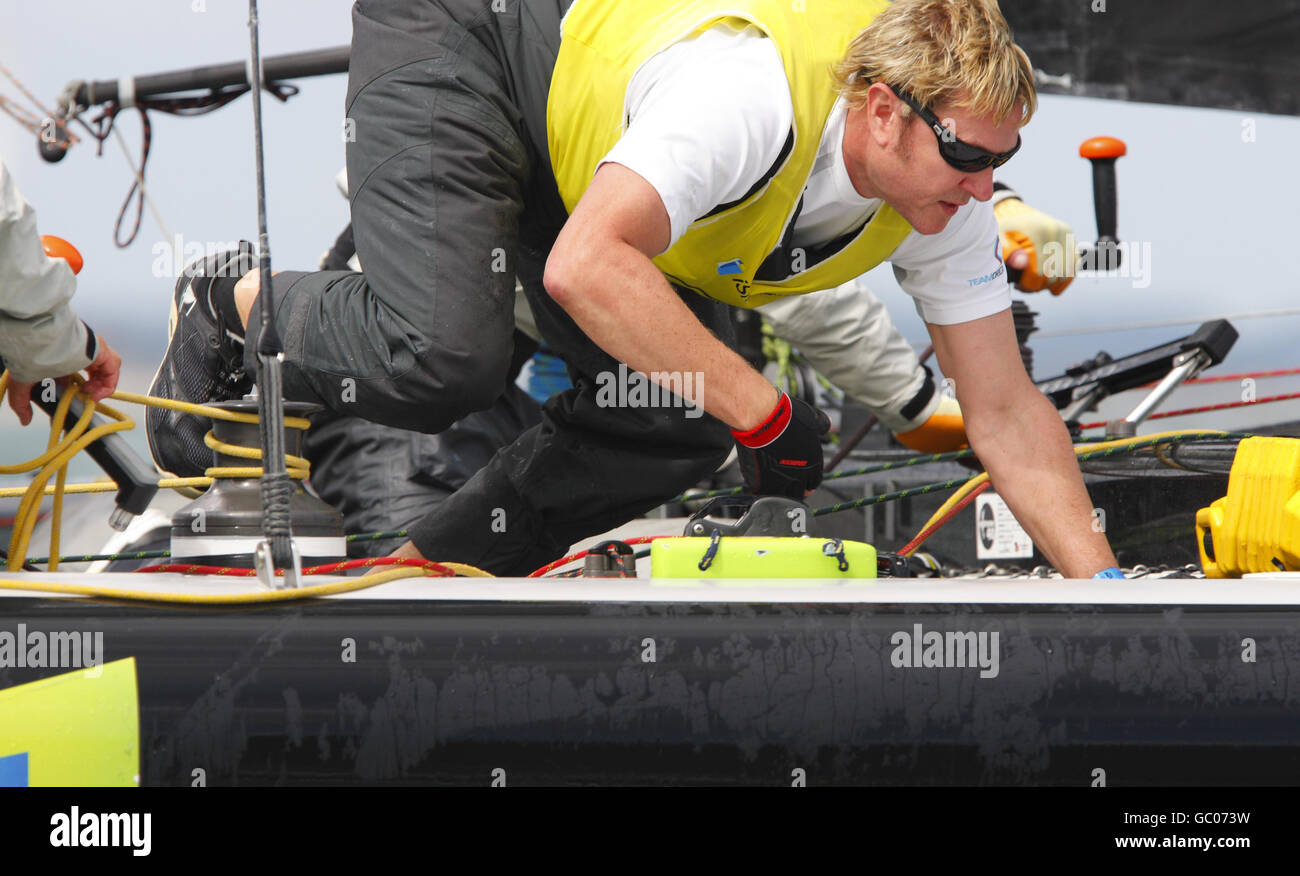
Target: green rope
[
  {"x": 889, "y": 497},
  {"x": 829, "y": 509},
  {"x": 953, "y": 484},
  {"x": 902, "y": 463},
  {"x": 926, "y": 459},
  {"x": 94, "y": 558}
]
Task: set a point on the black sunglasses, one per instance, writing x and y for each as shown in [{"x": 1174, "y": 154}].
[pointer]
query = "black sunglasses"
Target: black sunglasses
[{"x": 961, "y": 155}]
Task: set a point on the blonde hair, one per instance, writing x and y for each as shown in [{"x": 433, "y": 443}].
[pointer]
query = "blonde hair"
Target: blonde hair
[{"x": 941, "y": 51}]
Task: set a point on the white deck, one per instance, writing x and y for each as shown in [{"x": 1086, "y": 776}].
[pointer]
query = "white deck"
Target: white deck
[{"x": 1255, "y": 590}]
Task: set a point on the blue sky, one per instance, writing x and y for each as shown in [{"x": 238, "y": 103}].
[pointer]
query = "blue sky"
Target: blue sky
[{"x": 1216, "y": 211}]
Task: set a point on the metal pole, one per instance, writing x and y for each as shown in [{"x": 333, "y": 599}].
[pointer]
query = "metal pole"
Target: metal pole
[
  {"x": 298, "y": 65},
  {"x": 1186, "y": 365},
  {"x": 278, "y": 549}
]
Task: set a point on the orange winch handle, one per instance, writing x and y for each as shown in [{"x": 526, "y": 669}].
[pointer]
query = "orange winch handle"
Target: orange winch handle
[
  {"x": 1102, "y": 147},
  {"x": 58, "y": 248}
]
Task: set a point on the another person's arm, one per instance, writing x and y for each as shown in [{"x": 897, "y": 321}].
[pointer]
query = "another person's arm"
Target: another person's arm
[
  {"x": 1022, "y": 442},
  {"x": 1038, "y": 245},
  {"x": 40, "y": 334}
]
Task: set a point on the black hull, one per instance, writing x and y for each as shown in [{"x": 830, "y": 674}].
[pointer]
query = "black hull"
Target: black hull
[{"x": 558, "y": 694}]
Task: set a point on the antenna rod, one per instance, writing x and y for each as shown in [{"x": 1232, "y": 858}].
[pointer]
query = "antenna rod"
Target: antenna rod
[{"x": 275, "y": 483}]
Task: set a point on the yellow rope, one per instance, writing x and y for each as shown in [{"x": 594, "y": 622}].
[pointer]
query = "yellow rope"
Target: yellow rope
[
  {"x": 467, "y": 570},
  {"x": 253, "y": 597},
  {"x": 202, "y": 410},
  {"x": 1079, "y": 449},
  {"x": 53, "y": 463},
  {"x": 60, "y": 451}
]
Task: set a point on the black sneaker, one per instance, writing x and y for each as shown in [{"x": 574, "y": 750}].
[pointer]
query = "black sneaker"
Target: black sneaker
[{"x": 204, "y": 363}]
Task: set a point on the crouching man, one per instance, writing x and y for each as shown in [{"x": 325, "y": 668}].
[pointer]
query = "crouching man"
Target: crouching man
[{"x": 703, "y": 156}]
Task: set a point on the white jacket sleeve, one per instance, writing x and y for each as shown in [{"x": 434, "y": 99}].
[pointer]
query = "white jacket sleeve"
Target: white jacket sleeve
[
  {"x": 40, "y": 335},
  {"x": 847, "y": 335}
]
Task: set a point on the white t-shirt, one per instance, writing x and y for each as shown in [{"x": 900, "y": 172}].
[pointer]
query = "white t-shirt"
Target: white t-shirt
[{"x": 708, "y": 117}]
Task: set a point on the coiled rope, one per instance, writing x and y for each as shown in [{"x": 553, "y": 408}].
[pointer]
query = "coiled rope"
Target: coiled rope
[{"x": 65, "y": 442}]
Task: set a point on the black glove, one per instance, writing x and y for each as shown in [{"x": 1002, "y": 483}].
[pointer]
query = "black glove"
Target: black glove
[{"x": 783, "y": 455}]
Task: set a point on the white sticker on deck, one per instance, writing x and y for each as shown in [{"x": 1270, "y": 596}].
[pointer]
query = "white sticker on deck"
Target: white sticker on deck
[{"x": 998, "y": 535}]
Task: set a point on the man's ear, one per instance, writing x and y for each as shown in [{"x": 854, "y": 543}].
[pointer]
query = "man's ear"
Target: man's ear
[{"x": 885, "y": 121}]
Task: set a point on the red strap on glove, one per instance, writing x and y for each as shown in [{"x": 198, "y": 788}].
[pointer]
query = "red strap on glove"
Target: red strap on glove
[{"x": 782, "y": 456}]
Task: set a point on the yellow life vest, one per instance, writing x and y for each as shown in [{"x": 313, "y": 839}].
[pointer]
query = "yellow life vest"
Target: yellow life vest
[{"x": 606, "y": 41}]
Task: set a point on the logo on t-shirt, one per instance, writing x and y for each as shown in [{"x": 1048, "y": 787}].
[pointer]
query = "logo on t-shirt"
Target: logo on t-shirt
[
  {"x": 734, "y": 266},
  {"x": 980, "y": 281},
  {"x": 997, "y": 254}
]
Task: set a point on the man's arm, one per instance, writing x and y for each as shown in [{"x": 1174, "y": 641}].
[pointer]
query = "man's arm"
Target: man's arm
[
  {"x": 1020, "y": 439},
  {"x": 600, "y": 271},
  {"x": 40, "y": 335}
]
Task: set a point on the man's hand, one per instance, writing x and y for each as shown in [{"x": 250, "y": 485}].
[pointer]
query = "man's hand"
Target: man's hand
[
  {"x": 782, "y": 456},
  {"x": 102, "y": 376},
  {"x": 103, "y": 373},
  {"x": 1040, "y": 246},
  {"x": 20, "y": 399}
]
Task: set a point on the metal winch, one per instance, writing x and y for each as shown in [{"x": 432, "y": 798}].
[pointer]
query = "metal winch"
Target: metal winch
[{"x": 224, "y": 525}]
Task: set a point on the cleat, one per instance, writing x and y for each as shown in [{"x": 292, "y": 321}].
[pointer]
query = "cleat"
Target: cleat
[{"x": 204, "y": 362}]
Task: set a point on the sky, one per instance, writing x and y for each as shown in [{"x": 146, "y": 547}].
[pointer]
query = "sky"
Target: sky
[{"x": 1207, "y": 198}]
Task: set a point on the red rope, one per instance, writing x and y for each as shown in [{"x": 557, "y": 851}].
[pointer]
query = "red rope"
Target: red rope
[
  {"x": 645, "y": 539},
  {"x": 930, "y": 530},
  {"x": 1223, "y": 378},
  {"x": 1219, "y": 407},
  {"x": 325, "y": 569}
]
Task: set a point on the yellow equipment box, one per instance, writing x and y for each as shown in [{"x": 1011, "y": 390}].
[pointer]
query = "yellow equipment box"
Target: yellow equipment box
[
  {"x": 761, "y": 557},
  {"x": 1256, "y": 527}
]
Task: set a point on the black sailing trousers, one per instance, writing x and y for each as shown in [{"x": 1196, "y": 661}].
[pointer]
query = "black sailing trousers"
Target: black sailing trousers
[{"x": 452, "y": 196}]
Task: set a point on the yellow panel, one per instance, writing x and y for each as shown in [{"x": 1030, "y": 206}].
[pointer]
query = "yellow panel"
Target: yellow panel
[
  {"x": 1256, "y": 527},
  {"x": 79, "y": 729},
  {"x": 760, "y": 557}
]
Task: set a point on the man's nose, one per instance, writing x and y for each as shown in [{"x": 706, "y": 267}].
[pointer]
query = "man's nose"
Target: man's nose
[{"x": 980, "y": 185}]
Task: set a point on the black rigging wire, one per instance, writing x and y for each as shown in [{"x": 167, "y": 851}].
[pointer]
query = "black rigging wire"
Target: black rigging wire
[{"x": 101, "y": 127}]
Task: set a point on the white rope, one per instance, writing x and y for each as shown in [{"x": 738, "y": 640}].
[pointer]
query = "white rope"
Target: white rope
[{"x": 153, "y": 208}]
